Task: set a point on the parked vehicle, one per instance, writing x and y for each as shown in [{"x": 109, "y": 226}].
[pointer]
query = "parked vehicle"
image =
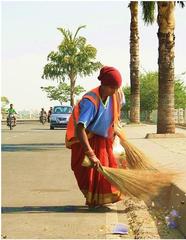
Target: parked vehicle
[
  {"x": 60, "y": 116},
  {"x": 10, "y": 121}
]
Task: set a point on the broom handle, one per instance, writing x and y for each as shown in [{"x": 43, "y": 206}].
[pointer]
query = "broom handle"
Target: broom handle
[
  {"x": 100, "y": 168},
  {"x": 120, "y": 134}
]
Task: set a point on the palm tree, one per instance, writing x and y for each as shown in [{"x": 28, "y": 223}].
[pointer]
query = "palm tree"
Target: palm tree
[
  {"x": 134, "y": 64},
  {"x": 166, "y": 38},
  {"x": 74, "y": 56}
]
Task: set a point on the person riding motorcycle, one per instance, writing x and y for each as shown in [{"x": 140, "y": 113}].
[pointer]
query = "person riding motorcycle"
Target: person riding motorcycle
[
  {"x": 43, "y": 114},
  {"x": 49, "y": 114},
  {"x": 11, "y": 111}
]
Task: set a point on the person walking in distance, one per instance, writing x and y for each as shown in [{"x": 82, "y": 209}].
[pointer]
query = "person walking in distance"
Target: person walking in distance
[{"x": 49, "y": 114}]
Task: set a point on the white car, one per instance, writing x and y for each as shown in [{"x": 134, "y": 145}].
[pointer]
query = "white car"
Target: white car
[{"x": 60, "y": 116}]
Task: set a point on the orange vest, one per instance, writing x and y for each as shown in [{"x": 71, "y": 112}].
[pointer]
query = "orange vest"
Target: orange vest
[{"x": 94, "y": 97}]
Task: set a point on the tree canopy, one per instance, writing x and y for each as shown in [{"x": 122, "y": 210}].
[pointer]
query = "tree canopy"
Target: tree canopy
[
  {"x": 74, "y": 57},
  {"x": 4, "y": 103},
  {"x": 180, "y": 94},
  {"x": 149, "y": 93},
  {"x": 61, "y": 93}
]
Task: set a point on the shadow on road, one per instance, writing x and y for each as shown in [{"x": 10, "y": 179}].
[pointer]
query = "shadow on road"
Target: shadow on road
[
  {"x": 47, "y": 129},
  {"x": 31, "y": 147},
  {"x": 32, "y": 129},
  {"x": 52, "y": 209}
]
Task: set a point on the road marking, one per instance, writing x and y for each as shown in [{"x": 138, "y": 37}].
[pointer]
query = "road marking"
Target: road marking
[{"x": 111, "y": 221}]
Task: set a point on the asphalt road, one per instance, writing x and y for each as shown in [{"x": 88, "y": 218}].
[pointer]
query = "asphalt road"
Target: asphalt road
[{"x": 40, "y": 197}]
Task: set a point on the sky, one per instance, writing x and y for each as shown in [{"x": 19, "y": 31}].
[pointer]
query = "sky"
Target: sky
[{"x": 29, "y": 33}]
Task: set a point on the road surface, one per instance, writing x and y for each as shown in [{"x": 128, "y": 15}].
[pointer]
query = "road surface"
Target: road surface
[{"x": 40, "y": 196}]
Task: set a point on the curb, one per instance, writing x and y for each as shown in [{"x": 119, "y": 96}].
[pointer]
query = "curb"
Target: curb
[
  {"x": 165, "y": 135},
  {"x": 176, "y": 199},
  {"x": 147, "y": 219}
]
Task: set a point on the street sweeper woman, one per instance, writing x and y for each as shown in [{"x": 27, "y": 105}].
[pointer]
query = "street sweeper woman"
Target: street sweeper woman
[{"x": 90, "y": 133}]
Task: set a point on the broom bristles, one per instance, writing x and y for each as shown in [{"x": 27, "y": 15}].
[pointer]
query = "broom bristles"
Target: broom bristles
[
  {"x": 135, "y": 158},
  {"x": 142, "y": 184}
]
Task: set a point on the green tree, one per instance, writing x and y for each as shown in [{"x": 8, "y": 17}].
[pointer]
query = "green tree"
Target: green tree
[
  {"x": 149, "y": 92},
  {"x": 74, "y": 57},
  {"x": 4, "y": 103},
  {"x": 166, "y": 38},
  {"x": 180, "y": 94},
  {"x": 127, "y": 91},
  {"x": 61, "y": 93},
  {"x": 134, "y": 64}
]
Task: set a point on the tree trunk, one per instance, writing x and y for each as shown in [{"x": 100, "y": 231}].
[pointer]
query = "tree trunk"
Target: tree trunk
[
  {"x": 166, "y": 38},
  {"x": 134, "y": 64},
  {"x": 148, "y": 116},
  {"x": 72, "y": 85}
]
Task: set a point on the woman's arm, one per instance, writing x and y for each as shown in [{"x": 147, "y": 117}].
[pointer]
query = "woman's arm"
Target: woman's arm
[{"x": 82, "y": 136}]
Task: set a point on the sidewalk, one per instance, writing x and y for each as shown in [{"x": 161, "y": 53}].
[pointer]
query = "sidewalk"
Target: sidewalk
[{"x": 168, "y": 153}]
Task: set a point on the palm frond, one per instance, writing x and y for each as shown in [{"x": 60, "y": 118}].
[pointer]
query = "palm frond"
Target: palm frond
[
  {"x": 181, "y": 3},
  {"x": 64, "y": 32},
  {"x": 78, "y": 30},
  {"x": 148, "y": 9}
]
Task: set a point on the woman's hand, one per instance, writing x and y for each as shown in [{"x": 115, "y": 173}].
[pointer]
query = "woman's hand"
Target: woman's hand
[{"x": 92, "y": 157}]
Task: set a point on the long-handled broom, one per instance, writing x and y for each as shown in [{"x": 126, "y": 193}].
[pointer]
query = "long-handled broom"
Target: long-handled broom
[
  {"x": 135, "y": 158},
  {"x": 142, "y": 184}
]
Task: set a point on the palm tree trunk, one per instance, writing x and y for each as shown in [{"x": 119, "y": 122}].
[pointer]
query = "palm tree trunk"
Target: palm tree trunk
[
  {"x": 134, "y": 64},
  {"x": 166, "y": 38}
]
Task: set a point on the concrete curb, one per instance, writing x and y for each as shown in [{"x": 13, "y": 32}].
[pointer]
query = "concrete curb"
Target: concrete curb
[
  {"x": 173, "y": 198},
  {"x": 147, "y": 219},
  {"x": 177, "y": 200},
  {"x": 167, "y": 135}
]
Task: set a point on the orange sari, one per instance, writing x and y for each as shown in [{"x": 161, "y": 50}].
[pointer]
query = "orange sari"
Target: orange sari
[{"x": 96, "y": 189}]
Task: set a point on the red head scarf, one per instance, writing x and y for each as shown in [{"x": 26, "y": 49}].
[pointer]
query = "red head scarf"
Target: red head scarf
[{"x": 110, "y": 76}]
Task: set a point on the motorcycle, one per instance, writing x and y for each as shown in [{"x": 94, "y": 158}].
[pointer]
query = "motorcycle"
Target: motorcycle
[
  {"x": 11, "y": 121},
  {"x": 43, "y": 119}
]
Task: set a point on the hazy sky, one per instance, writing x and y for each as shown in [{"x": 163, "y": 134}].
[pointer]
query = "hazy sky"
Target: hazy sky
[{"x": 29, "y": 34}]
